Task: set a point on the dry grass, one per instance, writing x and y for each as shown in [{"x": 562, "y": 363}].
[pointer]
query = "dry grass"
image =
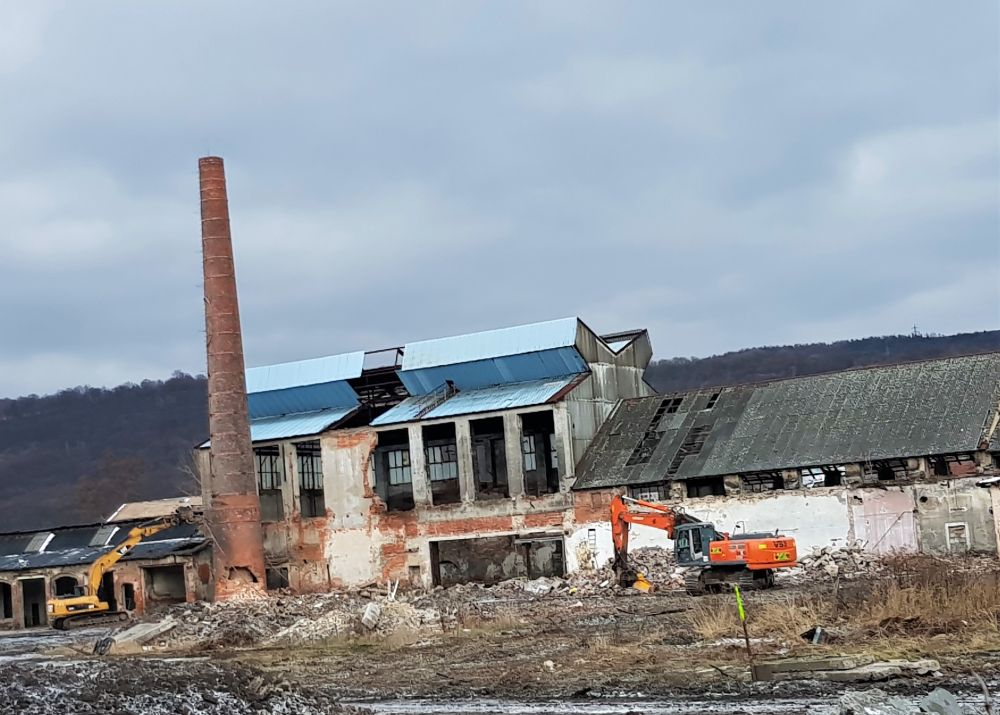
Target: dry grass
[{"x": 916, "y": 597}]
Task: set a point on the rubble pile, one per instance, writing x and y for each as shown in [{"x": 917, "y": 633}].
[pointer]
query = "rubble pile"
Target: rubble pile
[
  {"x": 828, "y": 563},
  {"x": 295, "y": 620}
]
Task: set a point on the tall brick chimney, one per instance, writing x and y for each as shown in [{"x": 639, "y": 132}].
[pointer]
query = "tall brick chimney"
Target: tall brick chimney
[{"x": 232, "y": 507}]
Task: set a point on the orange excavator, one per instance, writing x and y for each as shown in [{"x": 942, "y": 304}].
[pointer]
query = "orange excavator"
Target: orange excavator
[{"x": 717, "y": 560}]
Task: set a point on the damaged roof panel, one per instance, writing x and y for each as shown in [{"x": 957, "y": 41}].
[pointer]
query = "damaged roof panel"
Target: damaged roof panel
[
  {"x": 490, "y": 399},
  {"x": 302, "y": 373},
  {"x": 914, "y": 409},
  {"x": 474, "y": 347}
]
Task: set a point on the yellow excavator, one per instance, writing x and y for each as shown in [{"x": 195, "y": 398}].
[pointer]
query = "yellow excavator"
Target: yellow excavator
[{"x": 85, "y": 608}]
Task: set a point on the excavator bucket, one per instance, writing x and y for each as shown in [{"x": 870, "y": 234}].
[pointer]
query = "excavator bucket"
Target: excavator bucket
[{"x": 642, "y": 584}]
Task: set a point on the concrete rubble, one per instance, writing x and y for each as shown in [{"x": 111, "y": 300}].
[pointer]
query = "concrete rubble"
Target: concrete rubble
[
  {"x": 827, "y": 563},
  {"x": 878, "y": 702}
]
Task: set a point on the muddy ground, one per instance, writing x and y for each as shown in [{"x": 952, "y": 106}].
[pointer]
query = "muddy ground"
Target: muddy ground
[{"x": 497, "y": 651}]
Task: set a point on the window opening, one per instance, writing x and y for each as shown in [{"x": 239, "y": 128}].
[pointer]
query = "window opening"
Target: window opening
[
  {"x": 538, "y": 453},
  {"x": 270, "y": 477},
  {"x": 649, "y": 492},
  {"x": 706, "y": 487},
  {"x": 276, "y": 577},
  {"x": 6, "y": 601},
  {"x": 393, "y": 476},
  {"x": 712, "y": 400},
  {"x": 489, "y": 458},
  {"x": 762, "y": 482},
  {"x": 441, "y": 450},
  {"x": 829, "y": 476},
  {"x": 309, "y": 457}
]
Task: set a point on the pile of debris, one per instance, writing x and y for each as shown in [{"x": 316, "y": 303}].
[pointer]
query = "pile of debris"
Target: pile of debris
[
  {"x": 829, "y": 563},
  {"x": 295, "y": 620}
]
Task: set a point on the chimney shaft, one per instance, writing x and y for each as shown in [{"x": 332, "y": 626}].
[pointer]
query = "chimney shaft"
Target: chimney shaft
[{"x": 232, "y": 507}]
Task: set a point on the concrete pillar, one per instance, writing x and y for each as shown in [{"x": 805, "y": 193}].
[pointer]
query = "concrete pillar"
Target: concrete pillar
[
  {"x": 677, "y": 489},
  {"x": 418, "y": 467},
  {"x": 995, "y": 503},
  {"x": 466, "y": 474},
  {"x": 853, "y": 475},
  {"x": 17, "y": 603},
  {"x": 564, "y": 445},
  {"x": 290, "y": 489},
  {"x": 791, "y": 479},
  {"x": 515, "y": 460},
  {"x": 733, "y": 484}
]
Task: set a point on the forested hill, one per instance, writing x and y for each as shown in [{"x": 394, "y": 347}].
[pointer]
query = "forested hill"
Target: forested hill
[
  {"x": 771, "y": 363},
  {"x": 75, "y": 456}
]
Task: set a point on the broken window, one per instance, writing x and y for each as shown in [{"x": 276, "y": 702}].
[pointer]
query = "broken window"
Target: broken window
[
  {"x": 830, "y": 476},
  {"x": 312, "y": 502},
  {"x": 270, "y": 477},
  {"x": 647, "y": 444},
  {"x": 541, "y": 471},
  {"x": 712, "y": 400},
  {"x": 276, "y": 577},
  {"x": 762, "y": 482},
  {"x": 489, "y": 458},
  {"x": 692, "y": 444},
  {"x": 6, "y": 601},
  {"x": 393, "y": 477},
  {"x": 706, "y": 487},
  {"x": 442, "y": 463},
  {"x": 66, "y": 586},
  {"x": 650, "y": 492}
]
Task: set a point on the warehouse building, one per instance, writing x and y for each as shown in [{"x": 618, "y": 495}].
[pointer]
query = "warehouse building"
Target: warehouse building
[
  {"x": 891, "y": 456},
  {"x": 437, "y": 462}
]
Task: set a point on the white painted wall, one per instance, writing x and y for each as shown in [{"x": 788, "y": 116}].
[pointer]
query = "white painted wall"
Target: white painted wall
[{"x": 813, "y": 518}]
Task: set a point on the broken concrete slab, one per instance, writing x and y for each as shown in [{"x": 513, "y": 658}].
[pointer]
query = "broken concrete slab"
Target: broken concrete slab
[
  {"x": 842, "y": 670},
  {"x": 874, "y": 702},
  {"x": 942, "y": 702},
  {"x": 144, "y": 632},
  {"x": 765, "y": 670}
]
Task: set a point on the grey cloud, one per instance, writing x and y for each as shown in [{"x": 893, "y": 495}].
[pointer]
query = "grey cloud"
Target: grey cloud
[{"x": 725, "y": 175}]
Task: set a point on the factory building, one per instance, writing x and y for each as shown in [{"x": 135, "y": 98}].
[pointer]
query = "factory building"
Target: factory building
[
  {"x": 169, "y": 567},
  {"x": 439, "y": 462},
  {"x": 896, "y": 457}
]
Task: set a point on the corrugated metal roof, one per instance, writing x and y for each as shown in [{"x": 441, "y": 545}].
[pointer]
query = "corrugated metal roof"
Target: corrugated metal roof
[
  {"x": 411, "y": 408},
  {"x": 500, "y": 397},
  {"x": 543, "y": 365},
  {"x": 296, "y": 425},
  {"x": 305, "y": 372},
  {"x": 308, "y": 398},
  {"x": 886, "y": 412},
  {"x": 490, "y": 344}
]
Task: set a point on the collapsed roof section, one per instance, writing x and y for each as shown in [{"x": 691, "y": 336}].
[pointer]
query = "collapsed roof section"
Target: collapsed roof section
[
  {"x": 934, "y": 407},
  {"x": 479, "y": 372}
]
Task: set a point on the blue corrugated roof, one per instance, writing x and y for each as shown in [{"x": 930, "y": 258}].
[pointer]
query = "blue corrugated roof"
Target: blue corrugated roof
[
  {"x": 489, "y": 399},
  {"x": 308, "y": 398},
  {"x": 305, "y": 372},
  {"x": 490, "y": 344},
  {"x": 411, "y": 408},
  {"x": 542, "y": 365},
  {"x": 296, "y": 425}
]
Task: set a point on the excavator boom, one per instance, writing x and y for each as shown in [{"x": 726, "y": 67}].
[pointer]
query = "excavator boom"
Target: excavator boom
[{"x": 67, "y": 611}]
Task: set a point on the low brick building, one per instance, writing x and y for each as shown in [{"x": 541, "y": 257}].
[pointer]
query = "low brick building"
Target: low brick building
[{"x": 169, "y": 567}]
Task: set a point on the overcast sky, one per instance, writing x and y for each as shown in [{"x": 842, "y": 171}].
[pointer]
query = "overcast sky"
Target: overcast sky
[{"x": 726, "y": 175}]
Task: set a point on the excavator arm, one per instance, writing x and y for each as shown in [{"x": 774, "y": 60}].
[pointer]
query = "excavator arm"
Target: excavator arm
[
  {"x": 104, "y": 564},
  {"x": 659, "y": 516}
]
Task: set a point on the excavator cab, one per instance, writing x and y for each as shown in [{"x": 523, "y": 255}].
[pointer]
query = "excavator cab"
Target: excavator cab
[{"x": 691, "y": 543}]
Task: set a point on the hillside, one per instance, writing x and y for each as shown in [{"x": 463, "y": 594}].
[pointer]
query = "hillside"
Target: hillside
[{"x": 76, "y": 455}]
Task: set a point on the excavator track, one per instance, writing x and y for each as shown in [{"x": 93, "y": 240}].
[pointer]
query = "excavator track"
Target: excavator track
[
  {"x": 708, "y": 580},
  {"x": 89, "y": 619}
]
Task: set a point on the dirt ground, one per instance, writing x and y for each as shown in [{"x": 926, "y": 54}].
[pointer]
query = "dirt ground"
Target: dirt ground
[{"x": 516, "y": 648}]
